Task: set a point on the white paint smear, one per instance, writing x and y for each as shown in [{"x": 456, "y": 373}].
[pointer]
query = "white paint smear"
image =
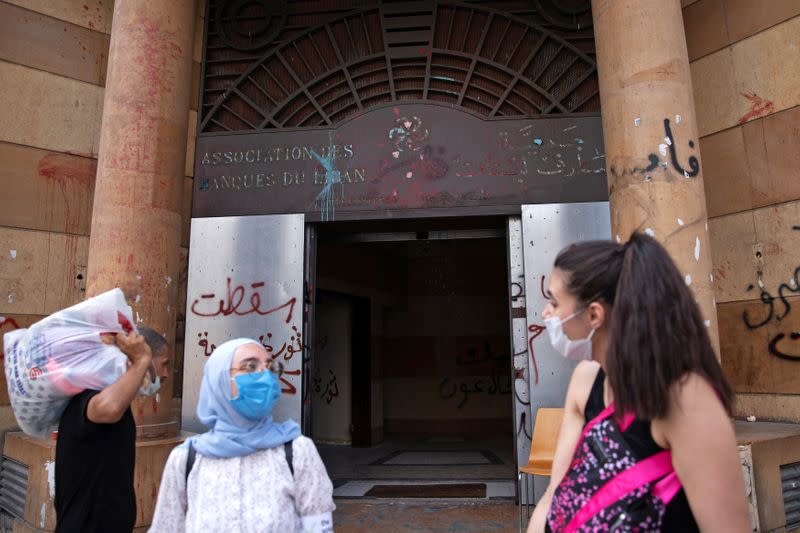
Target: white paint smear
[
  {"x": 650, "y": 232},
  {"x": 409, "y": 175},
  {"x": 42, "y": 515},
  {"x": 618, "y": 239},
  {"x": 711, "y": 277},
  {"x": 168, "y": 280},
  {"x": 688, "y": 279},
  {"x": 662, "y": 149},
  {"x": 678, "y": 119},
  {"x": 697, "y": 249},
  {"x": 668, "y": 141},
  {"x": 686, "y": 175},
  {"x": 13, "y": 254},
  {"x": 707, "y": 323},
  {"x": 637, "y": 121},
  {"x": 50, "y": 467},
  {"x": 138, "y": 298},
  {"x": 680, "y": 222},
  {"x": 10, "y": 298}
]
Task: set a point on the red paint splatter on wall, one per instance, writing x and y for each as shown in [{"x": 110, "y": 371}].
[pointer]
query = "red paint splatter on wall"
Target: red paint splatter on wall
[
  {"x": 758, "y": 107},
  {"x": 69, "y": 174}
]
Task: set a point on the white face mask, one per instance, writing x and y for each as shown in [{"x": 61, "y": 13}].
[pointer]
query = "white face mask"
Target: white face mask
[
  {"x": 152, "y": 388},
  {"x": 577, "y": 350}
]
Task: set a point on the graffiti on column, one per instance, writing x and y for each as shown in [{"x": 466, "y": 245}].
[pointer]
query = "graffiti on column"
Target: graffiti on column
[
  {"x": 784, "y": 344},
  {"x": 660, "y": 158}
]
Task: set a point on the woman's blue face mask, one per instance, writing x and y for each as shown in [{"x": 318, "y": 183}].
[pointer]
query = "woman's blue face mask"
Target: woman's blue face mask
[{"x": 257, "y": 394}]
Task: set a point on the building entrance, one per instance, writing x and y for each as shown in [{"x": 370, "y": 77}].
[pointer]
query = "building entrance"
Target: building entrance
[{"x": 412, "y": 383}]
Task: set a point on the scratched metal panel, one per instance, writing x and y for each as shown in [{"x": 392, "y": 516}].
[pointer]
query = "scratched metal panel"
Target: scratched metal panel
[
  {"x": 546, "y": 230},
  {"x": 245, "y": 280},
  {"x": 519, "y": 343}
]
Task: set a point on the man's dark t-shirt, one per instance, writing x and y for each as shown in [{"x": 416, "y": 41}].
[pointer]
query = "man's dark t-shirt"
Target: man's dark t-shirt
[{"x": 94, "y": 472}]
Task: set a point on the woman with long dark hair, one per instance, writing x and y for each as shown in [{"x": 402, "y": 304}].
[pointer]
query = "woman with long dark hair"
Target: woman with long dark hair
[{"x": 646, "y": 443}]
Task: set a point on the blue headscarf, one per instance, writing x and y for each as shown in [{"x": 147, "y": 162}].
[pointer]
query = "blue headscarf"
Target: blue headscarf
[{"x": 231, "y": 434}]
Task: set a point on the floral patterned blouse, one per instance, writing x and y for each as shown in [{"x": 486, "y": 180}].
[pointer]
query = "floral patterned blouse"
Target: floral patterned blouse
[{"x": 254, "y": 493}]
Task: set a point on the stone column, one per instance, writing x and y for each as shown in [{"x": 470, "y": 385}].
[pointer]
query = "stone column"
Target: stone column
[
  {"x": 655, "y": 175},
  {"x": 136, "y": 219}
]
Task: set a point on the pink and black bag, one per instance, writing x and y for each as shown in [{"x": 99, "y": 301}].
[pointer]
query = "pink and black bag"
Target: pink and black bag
[{"x": 607, "y": 488}]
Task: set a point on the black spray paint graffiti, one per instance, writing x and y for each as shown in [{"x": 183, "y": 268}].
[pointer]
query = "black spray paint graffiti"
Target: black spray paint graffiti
[
  {"x": 777, "y": 344},
  {"x": 331, "y": 388},
  {"x": 523, "y": 426},
  {"x": 518, "y": 290},
  {"x": 655, "y": 161},
  {"x": 497, "y": 384}
]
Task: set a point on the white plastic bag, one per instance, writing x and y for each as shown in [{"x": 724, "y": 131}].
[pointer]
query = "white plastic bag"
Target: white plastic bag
[{"x": 61, "y": 356}]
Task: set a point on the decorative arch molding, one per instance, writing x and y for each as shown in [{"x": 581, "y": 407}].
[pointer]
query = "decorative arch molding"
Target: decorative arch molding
[{"x": 484, "y": 61}]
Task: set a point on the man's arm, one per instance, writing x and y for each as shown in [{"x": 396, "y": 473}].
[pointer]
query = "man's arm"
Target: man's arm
[{"x": 108, "y": 406}]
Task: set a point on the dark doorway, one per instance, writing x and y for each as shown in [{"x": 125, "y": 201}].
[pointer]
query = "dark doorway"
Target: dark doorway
[{"x": 420, "y": 311}]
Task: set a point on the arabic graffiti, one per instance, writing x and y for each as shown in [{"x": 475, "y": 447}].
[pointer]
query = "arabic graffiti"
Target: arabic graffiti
[
  {"x": 777, "y": 345},
  {"x": 654, "y": 161},
  {"x": 287, "y": 350},
  {"x": 234, "y": 298},
  {"x": 496, "y": 384},
  {"x": 331, "y": 388},
  {"x": 208, "y": 348}
]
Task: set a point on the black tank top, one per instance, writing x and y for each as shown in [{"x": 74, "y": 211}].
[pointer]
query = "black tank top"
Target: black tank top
[{"x": 678, "y": 517}]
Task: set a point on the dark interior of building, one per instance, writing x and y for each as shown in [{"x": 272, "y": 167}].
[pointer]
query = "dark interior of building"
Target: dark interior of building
[{"x": 412, "y": 373}]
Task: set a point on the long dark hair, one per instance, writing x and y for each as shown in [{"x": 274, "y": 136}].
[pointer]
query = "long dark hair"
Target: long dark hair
[{"x": 657, "y": 334}]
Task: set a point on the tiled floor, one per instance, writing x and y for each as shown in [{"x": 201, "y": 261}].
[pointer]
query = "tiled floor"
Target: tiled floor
[
  {"x": 357, "y": 489},
  {"x": 414, "y": 460},
  {"x": 368, "y": 516}
]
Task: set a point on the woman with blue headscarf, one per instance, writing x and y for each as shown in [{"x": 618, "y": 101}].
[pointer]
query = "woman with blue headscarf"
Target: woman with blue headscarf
[{"x": 240, "y": 478}]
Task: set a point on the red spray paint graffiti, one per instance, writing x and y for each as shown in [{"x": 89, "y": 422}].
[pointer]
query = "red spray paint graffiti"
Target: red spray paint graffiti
[
  {"x": 535, "y": 330},
  {"x": 234, "y": 298}
]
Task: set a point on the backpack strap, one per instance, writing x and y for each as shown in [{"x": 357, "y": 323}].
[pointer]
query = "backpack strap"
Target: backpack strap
[
  {"x": 287, "y": 448},
  {"x": 189, "y": 463},
  {"x": 646, "y": 471}
]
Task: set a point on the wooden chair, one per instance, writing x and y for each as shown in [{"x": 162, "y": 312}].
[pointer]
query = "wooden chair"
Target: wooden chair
[{"x": 543, "y": 448}]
